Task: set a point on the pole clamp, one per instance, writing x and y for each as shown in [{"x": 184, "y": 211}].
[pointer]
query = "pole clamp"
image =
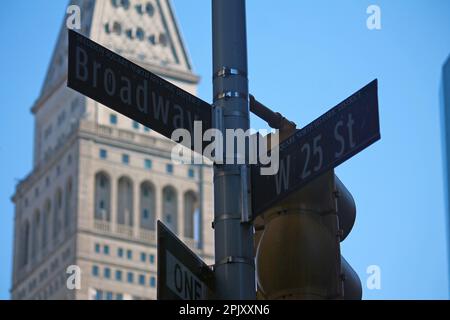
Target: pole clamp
[
  {"x": 224, "y": 217},
  {"x": 231, "y": 259},
  {"x": 227, "y": 71},
  {"x": 231, "y": 94}
]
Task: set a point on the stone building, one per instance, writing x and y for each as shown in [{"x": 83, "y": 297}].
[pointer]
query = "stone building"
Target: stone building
[{"x": 100, "y": 181}]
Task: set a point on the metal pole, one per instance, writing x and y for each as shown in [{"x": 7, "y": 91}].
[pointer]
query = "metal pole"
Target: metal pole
[{"x": 233, "y": 234}]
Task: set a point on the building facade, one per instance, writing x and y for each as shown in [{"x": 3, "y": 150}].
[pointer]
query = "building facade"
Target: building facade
[{"x": 100, "y": 181}]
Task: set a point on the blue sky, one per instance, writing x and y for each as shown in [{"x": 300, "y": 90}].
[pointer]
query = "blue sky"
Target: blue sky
[{"x": 304, "y": 57}]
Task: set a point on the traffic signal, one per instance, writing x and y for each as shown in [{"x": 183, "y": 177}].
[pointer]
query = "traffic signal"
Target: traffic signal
[{"x": 298, "y": 255}]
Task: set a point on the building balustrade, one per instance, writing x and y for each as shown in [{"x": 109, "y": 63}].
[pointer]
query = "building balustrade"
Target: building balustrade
[
  {"x": 125, "y": 135},
  {"x": 143, "y": 235},
  {"x": 124, "y": 231}
]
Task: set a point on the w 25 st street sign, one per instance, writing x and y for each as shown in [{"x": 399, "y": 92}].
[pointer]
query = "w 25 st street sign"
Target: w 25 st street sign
[
  {"x": 337, "y": 135},
  {"x": 133, "y": 91}
]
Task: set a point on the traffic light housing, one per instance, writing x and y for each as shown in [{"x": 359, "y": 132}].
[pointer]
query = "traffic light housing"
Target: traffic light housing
[{"x": 298, "y": 251}]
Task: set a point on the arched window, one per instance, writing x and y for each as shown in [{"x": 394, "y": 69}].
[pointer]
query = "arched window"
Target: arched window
[
  {"x": 36, "y": 232},
  {"x": 125, "y": 202},
  {"x": 47, "y": 214},
  {"x": 25, "y": 242},
  {"x": 147, "y": 206},
  {"x": 57, "y": 213},
  {"x": 170, "y": 208},
  {"x": 68, "y": 203},
  {"x": 190, "y": 208},
  {"x": 102, "y": 197}
]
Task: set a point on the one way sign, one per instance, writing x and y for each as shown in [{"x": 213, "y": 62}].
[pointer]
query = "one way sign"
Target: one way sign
[{"x": 182, "y": 275}]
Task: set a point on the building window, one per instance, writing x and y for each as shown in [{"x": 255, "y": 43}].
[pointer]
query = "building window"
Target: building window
[
  {"x": 129, "y": 33},
  {"x": 118, "y": 275},
  {"x": 163, "y": 39},
  {"x": 125, "y": 4},
  {"x": 103, "y": 154},
  {"x": 97, "y": 248},
  {"x": 143, "y": 256},
  {"x": 125, "y": 202},
  {"x": 102, "y": 197},
  {"x": 129, "y": 255},
  {"x": 148, "y": 164},
  {"x": 107, "y": 273},
  {"x": 146, "y": 129},
  {"x": 169, "y": 194},
  {"x": 151, "y": 258},
  {"x": 152, "y": 281},
  {"x": 130, "y": 277},
  {"x": 117, "y": 28},
  {"x": 109, "y": 295},
  {"x": 142, "y": 279},
  {"x": 169, "y": 168},
  {"x": 149, "y": 9},
  {"x": 191, "y": 206},
  {"x": 106, "y": 250},
  {"x": 125, "y": 159},
  {"x": 113, "y": 119},
  {"x": 152, "y": 39},
  {"x": 136, "y": 125},
  {"x": 145, "y": 190},
  {"x": 191, "y": 173},
  {"x": 170, "y": 207},
  {"x": 119, "y": 296},
  {"x": 98, "y": 294},
  {"x": 120, "y": 252},
  {"x": 95, "y": 271},
  {"x": 147, "y": 203},
  {"x": 140, "y": 34},
  {"x": 139, "y": 9}
]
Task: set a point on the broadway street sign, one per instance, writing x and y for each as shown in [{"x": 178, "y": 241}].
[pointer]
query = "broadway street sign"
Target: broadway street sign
[
  {"x": 133, "y": 91},
  {"x": 322, "y": 145},
  {"x": 182, "y": 275}
]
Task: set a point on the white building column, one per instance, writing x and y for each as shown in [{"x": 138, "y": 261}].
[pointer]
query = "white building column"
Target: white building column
[
  {"x": 180, "y": 213},
  {"x": 136, "y": 207},
  {"x": 113, "y": 202},
  {"x": 158, "y": 203}
]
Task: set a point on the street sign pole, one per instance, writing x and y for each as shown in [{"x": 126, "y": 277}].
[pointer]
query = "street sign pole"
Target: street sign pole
[{"x": 233, "y": 233}]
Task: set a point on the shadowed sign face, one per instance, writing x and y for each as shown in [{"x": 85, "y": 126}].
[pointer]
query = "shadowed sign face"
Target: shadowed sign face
[
  {"x": 133, "y": 91},
  {"x": 182, "y": 275},
  {"x": 182, "y": 281},
  {"x": 325, "y": 143}
]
